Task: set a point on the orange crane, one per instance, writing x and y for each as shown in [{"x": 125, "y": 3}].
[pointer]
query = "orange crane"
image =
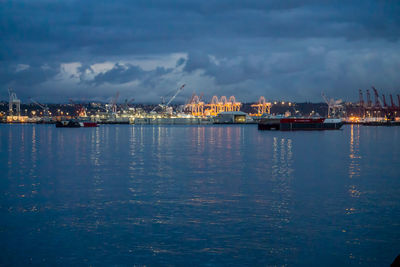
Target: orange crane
[
  {"x": 195, "y": 106},
  {"x": 213, "y": 106},
  {"x": 262, "y": 106},
  {"x": 234, "y": 106},
  {"x": 223, "y": 105}
]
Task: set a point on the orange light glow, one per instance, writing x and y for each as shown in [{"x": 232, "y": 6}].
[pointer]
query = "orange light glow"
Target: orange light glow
[
  {"x": 354, "y": 119},
  {"x": 19, "y": 119},
  {"x": 262, "y": 106},
  {"x": 197, "y": 107}
]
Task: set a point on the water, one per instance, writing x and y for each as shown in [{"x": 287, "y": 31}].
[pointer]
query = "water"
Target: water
[{"x": 200, "y": 195}]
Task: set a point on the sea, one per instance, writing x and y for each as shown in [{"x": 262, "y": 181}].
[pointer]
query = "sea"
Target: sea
[{"x": 212, "y": 195}]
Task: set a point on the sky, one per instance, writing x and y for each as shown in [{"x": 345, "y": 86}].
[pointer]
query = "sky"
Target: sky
[{"x": 89, "y": 50}]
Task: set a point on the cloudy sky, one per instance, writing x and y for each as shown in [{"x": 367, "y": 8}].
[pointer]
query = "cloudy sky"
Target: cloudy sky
[{"x": 293, "y": 50}]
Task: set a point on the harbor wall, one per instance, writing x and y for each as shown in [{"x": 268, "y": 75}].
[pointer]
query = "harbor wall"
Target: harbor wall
[{"x": 178, "y": 121}]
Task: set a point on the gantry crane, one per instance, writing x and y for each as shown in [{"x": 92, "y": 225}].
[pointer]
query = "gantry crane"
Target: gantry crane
[
  {"x": 334, "y": 106},
  {"x": 380, "y": 107},
  {"x": 262, "y": 106},
  {"x": 195, "y": 105},
  {"x": 13, "y": 100}
]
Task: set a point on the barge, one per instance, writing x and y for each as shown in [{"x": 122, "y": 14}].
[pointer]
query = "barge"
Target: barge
[
  {"x": 296, "y": 124},
  {"x": 381, "y": 123}
]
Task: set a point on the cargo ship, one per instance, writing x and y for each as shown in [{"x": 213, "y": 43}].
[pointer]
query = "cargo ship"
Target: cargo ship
[
  {"x": 302, "y": 123},
  {"x": 75, "y": 124}
]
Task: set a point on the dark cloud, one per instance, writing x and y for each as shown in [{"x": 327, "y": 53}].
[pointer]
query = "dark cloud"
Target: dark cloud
[
  {"x": 118, "y": 75},
  {"x": 26, "y": 75},
  {"x": 126, "y": 27},
  {"x": 197, "y": 60},
  {"x": 302, "y": 73},
  {"x": 121, "y": 74},
  {"x": 284, "y": 48},
  {"x": 180, "y": 62}
]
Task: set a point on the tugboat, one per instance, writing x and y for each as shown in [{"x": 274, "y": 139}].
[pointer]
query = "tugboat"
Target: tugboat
[
  {"x": 299, "y": 123},
  {"x": 75, "y": 124}
]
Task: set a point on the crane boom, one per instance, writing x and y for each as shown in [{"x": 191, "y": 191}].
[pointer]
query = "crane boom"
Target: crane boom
[
  {"x": 164, "y": 106},
  {"x": 175, "y": 95},
  {"x": 384, "y": 100},
  {"x": 325, "y": 98},
  {"x": 328, "y": 103},
  {"x": 44, "y": 107},
  {"x": 37, "y": 103}
]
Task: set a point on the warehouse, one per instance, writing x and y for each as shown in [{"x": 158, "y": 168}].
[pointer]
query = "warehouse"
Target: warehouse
[{"x": 233, "y": 117}]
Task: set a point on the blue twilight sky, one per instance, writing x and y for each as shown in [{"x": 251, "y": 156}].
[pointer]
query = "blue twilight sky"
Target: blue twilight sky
[{"x": 88, "y": 50}]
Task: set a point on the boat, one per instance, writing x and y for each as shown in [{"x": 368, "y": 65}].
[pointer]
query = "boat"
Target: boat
[
  {"x": 299, "y": 123},
  {"x": 75, "y": 124}
]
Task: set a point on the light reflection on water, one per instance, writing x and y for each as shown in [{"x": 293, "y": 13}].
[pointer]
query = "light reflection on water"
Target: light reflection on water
[
  {"x": 203, "y": 194},
  {"x": 282, "y": 176},
  {"x": 355, "y": 158},
  {"x": 352, "y": 210},
  {"x": 282, "y": 158},
  {"x": 354, "y": 155}
]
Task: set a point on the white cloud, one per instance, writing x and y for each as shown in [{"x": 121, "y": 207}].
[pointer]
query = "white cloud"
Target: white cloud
[
  {"x": 70, "y": 70},
  {"x": 21, "y": 67},
  {"x": 102, "y": 67}
]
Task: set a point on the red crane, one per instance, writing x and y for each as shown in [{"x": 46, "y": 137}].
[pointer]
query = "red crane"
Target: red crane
[
  {"x": 384, "y": 101},
  {"x": 377, "y": 103},
  {"x": 398, "y": 100},
  {"x": 392, "y": 102}
]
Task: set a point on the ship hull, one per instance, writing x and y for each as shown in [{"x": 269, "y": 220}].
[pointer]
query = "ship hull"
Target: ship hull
[
  {"x": 90, "y": 124},
  {"x": 75, "y": 124}
]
